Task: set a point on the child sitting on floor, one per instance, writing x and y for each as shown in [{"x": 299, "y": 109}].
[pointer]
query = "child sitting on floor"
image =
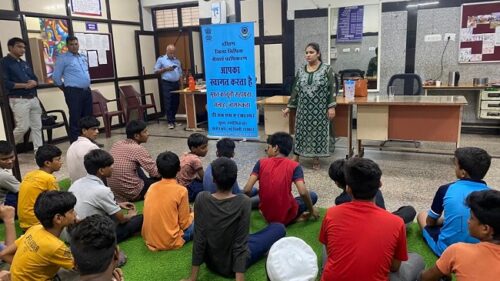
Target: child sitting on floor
[
  {"x": 474, "y": 261},
  {"x": 48, "y": 158},
  {"x": 9, "y": 184},
  {"x": 168, "y": 222},
  {"x": 222, "y": 223},
  {"x": 471, "y": 165},
  {"x": 276, "y": 175},
  {"x": 336, "y": 173},
  {"x": 39, "y": 253},
  {"x": 363, "y": 241},
  {"x": 95, "y": 249},
  {"x": 225, "y": 148},
  {"x": 191, "y": 173}
]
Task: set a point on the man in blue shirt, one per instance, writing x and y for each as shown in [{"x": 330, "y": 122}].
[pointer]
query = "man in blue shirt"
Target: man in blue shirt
[
  {"x": 171, "y": 72},
  {"x": 71, "y": 75},
  {"x": 21, "y": 83}
]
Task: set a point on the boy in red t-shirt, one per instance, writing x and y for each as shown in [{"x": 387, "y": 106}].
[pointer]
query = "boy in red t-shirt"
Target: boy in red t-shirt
[
  {"x": 474, "y": 261},
  {"x": 363, "y": 241},
  {"x": 276, "y": 175}
]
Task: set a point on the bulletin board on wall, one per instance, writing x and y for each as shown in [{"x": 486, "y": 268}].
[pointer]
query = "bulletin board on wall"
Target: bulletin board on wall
[
  {"x": 97, "y": 47},
  {"x": 480, "y": 33}
]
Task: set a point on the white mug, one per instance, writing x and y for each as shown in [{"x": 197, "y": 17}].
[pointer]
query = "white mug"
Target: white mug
[{"x": 438, "y": 83}]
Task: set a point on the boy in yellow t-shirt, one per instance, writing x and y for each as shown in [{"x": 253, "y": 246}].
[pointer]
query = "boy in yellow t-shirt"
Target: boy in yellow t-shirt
[
  {"x": 39, "y": 253},
  {"x": 48, "y": 158}
]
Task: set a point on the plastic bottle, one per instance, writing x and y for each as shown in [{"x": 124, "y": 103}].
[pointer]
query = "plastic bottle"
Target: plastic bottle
[{"x": 191, "y": 83}]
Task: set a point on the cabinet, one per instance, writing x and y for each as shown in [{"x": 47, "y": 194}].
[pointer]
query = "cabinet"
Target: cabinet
[{"x": 489, "y": 104}]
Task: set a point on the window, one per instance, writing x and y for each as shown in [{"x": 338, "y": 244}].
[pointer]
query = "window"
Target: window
[
  {"x": 166, "y": 18},
  {"x": 190, "y": 16}
]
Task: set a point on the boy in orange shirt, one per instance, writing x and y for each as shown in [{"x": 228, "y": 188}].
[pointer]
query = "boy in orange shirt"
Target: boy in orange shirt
[
  {"x": 168, "y": 222},
  {"x": 474, "y": 261},
  {"x": 48, "y": 158}
]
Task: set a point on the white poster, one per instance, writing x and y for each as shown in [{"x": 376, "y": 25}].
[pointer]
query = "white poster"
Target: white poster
[
  {"x": 489, "y": 43},
  {"x": 102, "y": 57},
  {"x": 86, "y": 7},
  {"x": 465, "y": 55},
  {"x": 466, "y": 34},
  {"x": 82, "y": 41},
  {"x": 497, "y": 36},
  {"x": 92, "y": 57}
]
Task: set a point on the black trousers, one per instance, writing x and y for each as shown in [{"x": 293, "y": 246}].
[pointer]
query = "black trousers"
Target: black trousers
[
  {"x": 128, "y": 229},
  {"x": 79, "y": 102}
]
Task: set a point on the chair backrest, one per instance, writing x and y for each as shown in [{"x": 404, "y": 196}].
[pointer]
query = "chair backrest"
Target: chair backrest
[
  {"x": 350, "y": 73},
  {"x": 99, "y": 106},
  {"x": 408, "y": 84},
  {"x": 130, "y": 97}
]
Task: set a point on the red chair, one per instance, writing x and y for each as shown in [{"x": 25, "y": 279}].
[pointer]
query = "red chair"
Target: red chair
[
  {"x": 100, "y": 109},
  {"x": 131, "y": 101}
]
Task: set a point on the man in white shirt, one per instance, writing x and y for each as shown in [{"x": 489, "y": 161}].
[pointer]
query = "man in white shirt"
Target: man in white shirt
[{"x": 89, "y": 129}]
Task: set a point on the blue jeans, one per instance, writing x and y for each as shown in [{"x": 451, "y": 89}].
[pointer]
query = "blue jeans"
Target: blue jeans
[
  {"x": 188, "y": 233},
  {"x": 194, "y": 188},
  {"x": 302, "y": 204},
  {"x": 260, "y": 242},
  {"x": 170, "y": 100}
]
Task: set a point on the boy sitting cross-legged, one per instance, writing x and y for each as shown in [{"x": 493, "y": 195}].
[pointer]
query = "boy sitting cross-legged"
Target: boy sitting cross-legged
[
  {"x": 93, "y": 197},
  {"x": 276, "y": 175},
  {"x": 363, "y": 241},
  {"x": 48, "y": 158},
  {"x": 39, "y": 253},
  {"x": 222, "y": 223},
  {"x": 191, "y": 173},
  {"x": 168, "y": 222},
  {"x": 225, "y": 148},
  {"x": 474, "y": 261},
  {"x": 471, "y": 165},
  {"x": 336, "y": 173}
]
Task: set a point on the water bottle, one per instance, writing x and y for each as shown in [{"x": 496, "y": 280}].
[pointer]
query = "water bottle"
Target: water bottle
[{"x": 350, "y": 86}]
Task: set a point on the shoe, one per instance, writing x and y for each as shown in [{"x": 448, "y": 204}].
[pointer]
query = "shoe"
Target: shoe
[{"x": 171, "y": 126}]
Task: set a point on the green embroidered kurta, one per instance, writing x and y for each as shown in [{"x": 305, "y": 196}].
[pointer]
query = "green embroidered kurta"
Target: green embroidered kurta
[{"x": 312, "y": 94}]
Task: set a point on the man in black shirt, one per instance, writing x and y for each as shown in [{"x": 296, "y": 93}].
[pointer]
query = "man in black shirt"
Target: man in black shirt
[
  {"x": 221, "y": 226},
  {"x": 21, "y": 83}
]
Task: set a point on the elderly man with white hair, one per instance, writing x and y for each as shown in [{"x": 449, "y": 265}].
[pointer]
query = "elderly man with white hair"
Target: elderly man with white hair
[{"x": 169, "y": 67}]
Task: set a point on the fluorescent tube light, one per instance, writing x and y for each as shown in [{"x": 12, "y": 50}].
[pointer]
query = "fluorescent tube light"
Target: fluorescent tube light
[{"x": 422, "y": 4}]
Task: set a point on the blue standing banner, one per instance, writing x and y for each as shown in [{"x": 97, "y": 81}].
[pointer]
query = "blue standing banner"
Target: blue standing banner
[
  {"x": 350, "y": 24},
  {"x": 230, "y": 79}
]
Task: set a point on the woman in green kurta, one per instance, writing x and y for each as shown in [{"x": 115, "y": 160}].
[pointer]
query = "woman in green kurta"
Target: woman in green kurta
[{"x": 313, "y": 97}]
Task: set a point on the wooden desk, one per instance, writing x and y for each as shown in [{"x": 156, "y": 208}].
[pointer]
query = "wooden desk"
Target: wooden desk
[
  {"x": 415, "y": 118},
  {"x": 421, "y": 118},
  {"x": 194, "y": 102}
]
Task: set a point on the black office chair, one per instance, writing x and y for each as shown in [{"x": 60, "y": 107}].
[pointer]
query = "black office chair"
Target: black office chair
[
  {"x": 407, "y": 84},
  {"x": 350, "y": 73}
]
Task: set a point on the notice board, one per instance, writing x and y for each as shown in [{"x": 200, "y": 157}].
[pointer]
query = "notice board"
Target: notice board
[
  {"x": 97, "y": 47},
  {"x": 480, "y": 33}
]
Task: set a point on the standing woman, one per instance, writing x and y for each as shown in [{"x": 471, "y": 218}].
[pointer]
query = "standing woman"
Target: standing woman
[{"x": 313, "y": 97}]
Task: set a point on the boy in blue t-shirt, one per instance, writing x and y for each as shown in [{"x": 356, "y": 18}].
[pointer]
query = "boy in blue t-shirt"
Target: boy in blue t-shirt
[
  {"x": 225, "y": 148},
  {"x": 441, "y": 231}
]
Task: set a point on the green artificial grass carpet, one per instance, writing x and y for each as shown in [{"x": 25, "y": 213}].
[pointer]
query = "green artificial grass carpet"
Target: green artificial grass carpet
[{"x": 174, "y": 265}]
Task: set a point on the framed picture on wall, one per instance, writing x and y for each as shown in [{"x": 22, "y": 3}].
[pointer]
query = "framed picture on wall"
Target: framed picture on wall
[{"x": 86, "y": 7}]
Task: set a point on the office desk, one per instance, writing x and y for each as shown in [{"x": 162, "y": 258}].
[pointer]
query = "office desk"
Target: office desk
[
  {"x": 195, "y": 103},
  {"x": 414, "y": 118},
  {"x": 420, "y": 118}
]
